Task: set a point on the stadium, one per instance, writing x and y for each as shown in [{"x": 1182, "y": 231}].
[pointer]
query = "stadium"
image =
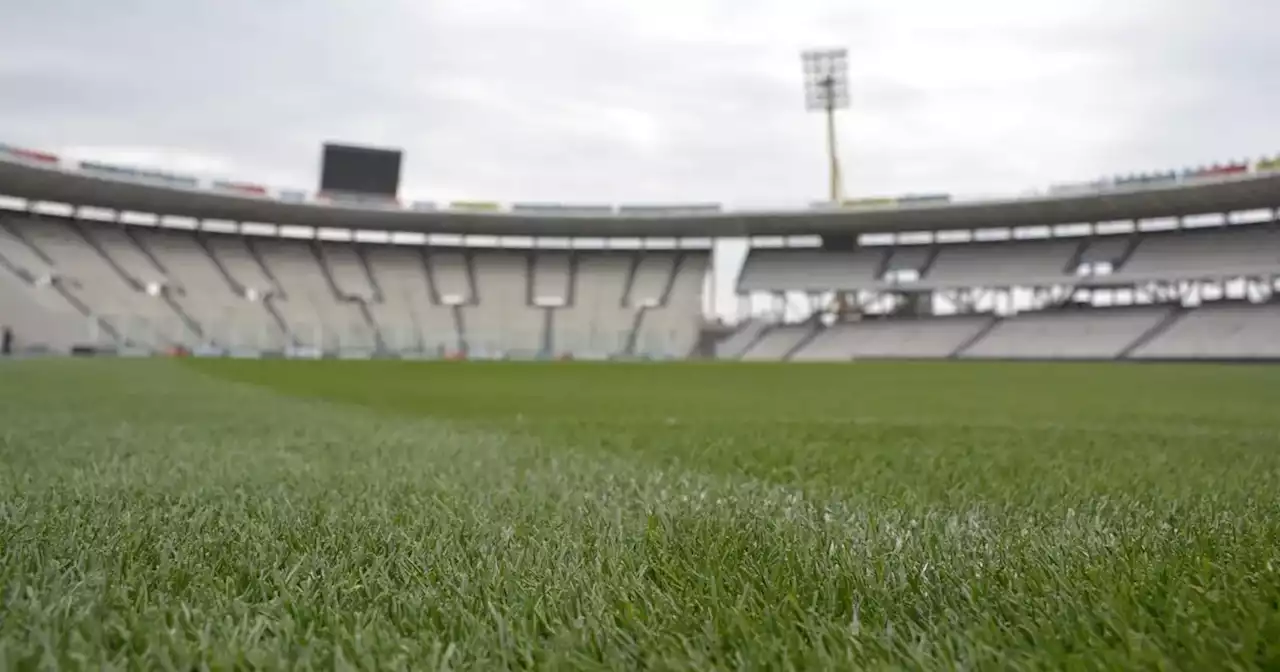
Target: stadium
[
  {"x": 1170, "y": 265},
  {"x": 253, "y": 427},
  {"x": 621, "y": 514}
]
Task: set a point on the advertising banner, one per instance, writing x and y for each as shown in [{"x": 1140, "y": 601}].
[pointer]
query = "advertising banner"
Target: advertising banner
[
  {"x": 670, "y": 209},
  {"x": 1218, "y": 171},
  {"x": 1076, "y": 188},
  {"x": 924, "y": 199},
  {"x": 30, "y": 154},
  {"x": 139, "y": 174},
  {"x": 240, "y": 187},
  {"x": 1147, "y": 180},
  {"x": 45, "y": 158},
  {"x": 187, "y": 181},
  {"x": 871, "y": 202},
  {"x": 475, "y": 206},
  {"x": 362, "y": 200},
  {"x": 107, "y": 169},
  {"x": 567, "y": 209}
]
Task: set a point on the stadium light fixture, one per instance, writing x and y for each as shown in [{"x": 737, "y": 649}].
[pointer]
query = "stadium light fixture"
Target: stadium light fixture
[{"x": 826, "y": 89}]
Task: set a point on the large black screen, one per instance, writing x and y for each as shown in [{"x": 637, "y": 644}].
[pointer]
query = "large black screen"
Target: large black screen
[{"x": 360, "y": 170}]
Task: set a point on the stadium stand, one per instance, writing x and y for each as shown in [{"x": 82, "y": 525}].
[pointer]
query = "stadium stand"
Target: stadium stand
[
  {"x": 1231, "y": 330},
  {"x": 451, "y": 275},
  {"x": 1111, "y": 250},
  {"x": 1073, "y": 333},
  {"x": 350, "y": 274},
  {"x": 1207, "y": 253},
  {"x": 409, "y": 314},
  {"x": 810, "y": 270},
  {"x": 903, "y": 338},
  {"x": 552, "y": 275},
  {"x": 742, "y": 339},
  {"x": 779, "y": 342},
  {"x": 89, "y": 277},
  {"x": 500, "y": 320},
  {"x": 1217, "y": 252},
  {"x": 649, "y": 279},
  {"x": 668, "y": 327},
  {"x": 249, "y": 292},
  {"x": 1206, "y": 292},
  {"x": 595, "y": 323},
  {"x": 232, "y": 255},
  {"x": 908, "y": 261},
  {"x": 41, "y": 319},
  {"x": 982, "y": 264},
  {"x": 120, "y": 250},
  {"x": 20, "y": 255},
  {"x": 208, "y": 294},
  {"x": 315, "y": 316}
]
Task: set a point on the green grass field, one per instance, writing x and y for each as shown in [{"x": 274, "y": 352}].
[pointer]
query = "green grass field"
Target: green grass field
[{"x": 167, "y": 514}]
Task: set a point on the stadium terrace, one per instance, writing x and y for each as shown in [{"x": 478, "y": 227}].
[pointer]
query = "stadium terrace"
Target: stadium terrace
[{"x": 1177, "y": 264}]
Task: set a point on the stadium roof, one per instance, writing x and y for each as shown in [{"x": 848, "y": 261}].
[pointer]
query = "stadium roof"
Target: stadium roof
[{"x": 1223, "y": 194}]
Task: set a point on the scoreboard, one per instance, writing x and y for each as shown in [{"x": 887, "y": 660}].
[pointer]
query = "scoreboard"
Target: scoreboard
[{"x": 363, "y": 171}]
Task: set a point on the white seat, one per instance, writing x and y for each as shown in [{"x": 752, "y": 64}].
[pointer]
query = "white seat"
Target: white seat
[
  {"x": 923, "y": 337},
  {"x": 1097, "y": 333},
  {"x": 595, "y": 323},
  {"x": 1219, "y": 331}
]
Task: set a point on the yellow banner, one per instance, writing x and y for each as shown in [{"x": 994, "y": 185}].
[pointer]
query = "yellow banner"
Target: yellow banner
[
  {"x": 1268, "y": 164},
  {"x": 475, "y": 206},
  {"x": 879, "y": 202}
]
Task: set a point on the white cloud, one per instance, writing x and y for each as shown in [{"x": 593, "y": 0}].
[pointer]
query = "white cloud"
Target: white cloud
[{"x": 665, "y": 100}]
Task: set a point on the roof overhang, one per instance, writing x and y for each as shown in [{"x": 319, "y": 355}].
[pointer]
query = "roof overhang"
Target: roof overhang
[{"x": 1226, "y": 194}]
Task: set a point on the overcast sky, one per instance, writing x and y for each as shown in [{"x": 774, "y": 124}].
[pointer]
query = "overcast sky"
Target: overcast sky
[{"x": 646, "y": 100}]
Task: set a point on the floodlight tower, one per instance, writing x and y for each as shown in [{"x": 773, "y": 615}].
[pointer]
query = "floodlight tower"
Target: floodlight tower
[{"x": 826, "y": 89}]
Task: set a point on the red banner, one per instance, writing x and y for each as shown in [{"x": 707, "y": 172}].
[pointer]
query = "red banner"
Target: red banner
[
  {"x": 43, "y": 157},
  {"x": 1229, "y": 169},
  {"x": 243, "y": 187}
]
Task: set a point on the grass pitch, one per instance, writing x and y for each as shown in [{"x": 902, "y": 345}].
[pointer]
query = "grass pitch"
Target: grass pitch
[{"x": 158, "y": 514}]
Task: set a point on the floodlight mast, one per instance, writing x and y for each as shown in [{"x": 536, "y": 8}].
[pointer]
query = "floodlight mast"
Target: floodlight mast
[
  {"x": 833, "y": 155},
  {"x": 827, "y": 90}
]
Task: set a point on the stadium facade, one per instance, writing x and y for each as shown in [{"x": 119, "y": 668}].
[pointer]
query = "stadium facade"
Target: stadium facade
[{"x": 104, "y": 258}]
